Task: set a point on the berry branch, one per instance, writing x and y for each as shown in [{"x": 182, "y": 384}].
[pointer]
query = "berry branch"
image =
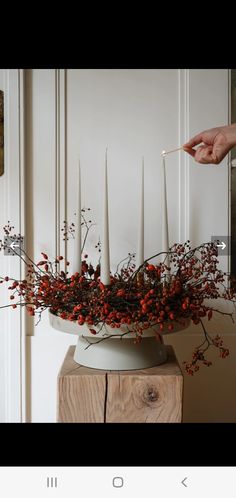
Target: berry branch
[{"x": 138, "y": 298}]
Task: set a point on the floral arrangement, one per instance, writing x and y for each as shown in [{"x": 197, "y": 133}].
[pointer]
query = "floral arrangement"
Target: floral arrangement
[{"x": 152, "y": 295}]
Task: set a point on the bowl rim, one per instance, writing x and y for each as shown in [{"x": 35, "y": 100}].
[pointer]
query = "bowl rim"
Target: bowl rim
[{"x": 72, "y": 327}]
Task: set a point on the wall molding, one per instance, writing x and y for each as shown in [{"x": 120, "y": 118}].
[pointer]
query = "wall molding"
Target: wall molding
[
  {"x": 57, "y": 161},
  {"x": 12, "y": 194},
  {"x": 22, "y": 222},
  {"x": 60, "y": 159}
]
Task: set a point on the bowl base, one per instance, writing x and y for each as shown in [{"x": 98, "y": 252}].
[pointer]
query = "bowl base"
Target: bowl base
[{"x": 120, "y": 354}]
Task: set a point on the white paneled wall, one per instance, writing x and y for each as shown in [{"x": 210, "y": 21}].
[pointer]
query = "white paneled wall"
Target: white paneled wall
[
  {"x": 12, "y": 335},
  {"x": 2, "y": 345},
  {"x": 129, "y": 112},
  {"x": 208, "y": 186},
  {"x": 134, "y": 113},
  {"x": 46, "y": 347}
]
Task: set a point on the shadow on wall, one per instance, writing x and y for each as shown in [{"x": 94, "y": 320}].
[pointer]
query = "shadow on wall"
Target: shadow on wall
[{"x": 209, "y": 394}]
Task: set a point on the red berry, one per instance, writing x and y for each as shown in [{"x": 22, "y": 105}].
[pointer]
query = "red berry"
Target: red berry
[
  {"x": 120, "y": 293},
  {"x": 144, "y": 308},
  {"x": 150, "y": 267}
]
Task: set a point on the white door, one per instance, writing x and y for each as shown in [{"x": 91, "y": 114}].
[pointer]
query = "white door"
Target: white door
[
  {"x": 12, "y": 333},
  {"x": 133, "y": 113}
]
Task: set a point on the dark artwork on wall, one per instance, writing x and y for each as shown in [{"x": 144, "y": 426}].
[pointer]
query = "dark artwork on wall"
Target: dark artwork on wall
[{"x": 1, "y": 134}]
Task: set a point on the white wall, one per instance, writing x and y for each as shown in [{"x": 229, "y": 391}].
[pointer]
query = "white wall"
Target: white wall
[
  {"x": 133, "y": 113},
  {"x": 46, "y": 347},
  {"x": 208, "y": 186},
  {"x": 11, "y": 331},
  {"x": 128, "y": 112},
  {"x": 2, "y": 348}
]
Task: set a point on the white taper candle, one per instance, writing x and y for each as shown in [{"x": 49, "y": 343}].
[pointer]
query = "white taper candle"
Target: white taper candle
[
  {"x": 76, "y": 267},
  {"x": 165, "y": 232},
  {"x": 140, "y": 251},
  {"x": 105, "y": 251}
]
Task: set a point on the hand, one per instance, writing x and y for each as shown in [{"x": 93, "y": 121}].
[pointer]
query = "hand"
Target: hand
[{"x": 216, "y": 143}]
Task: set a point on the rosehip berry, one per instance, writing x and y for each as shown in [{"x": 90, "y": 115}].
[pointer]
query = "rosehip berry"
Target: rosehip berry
[
  {"x": 150, "y": 267},
  {"x": 120, "y": 293}
]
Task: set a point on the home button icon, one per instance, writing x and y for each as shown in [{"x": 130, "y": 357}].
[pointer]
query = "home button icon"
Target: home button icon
[{"x": 117, "y": 482}]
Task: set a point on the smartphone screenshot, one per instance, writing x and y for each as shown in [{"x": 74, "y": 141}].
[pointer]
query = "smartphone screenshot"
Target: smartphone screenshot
[{"x": 117, "y": 281}]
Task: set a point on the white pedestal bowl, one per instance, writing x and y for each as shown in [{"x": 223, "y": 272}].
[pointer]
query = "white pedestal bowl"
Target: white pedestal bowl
[{"x": 115, "y": 352}]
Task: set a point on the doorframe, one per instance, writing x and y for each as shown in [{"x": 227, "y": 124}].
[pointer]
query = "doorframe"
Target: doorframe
[
  {"x": 22, "y": 221},
  {"x": 17, "y": 344},
  {"x": 13, "y": 208}
]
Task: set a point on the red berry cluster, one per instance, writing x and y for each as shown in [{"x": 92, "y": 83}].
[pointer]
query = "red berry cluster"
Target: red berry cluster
[
  {"x": 199, "y": 353},
  {"x": 153, "y": 295}
]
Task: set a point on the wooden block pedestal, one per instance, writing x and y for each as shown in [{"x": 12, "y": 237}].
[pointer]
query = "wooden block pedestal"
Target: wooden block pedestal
[{"x": 149, "y": 395}]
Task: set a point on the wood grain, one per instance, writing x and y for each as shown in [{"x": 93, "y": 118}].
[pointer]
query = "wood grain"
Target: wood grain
[
  {"x": 152, "y": 395},
  {"x": 81, "y": 392}
]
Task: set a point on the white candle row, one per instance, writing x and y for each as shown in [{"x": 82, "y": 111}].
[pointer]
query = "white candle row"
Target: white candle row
[
  {"x": 105, "y": 250},
  {"x": 165, "y": 231}
]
